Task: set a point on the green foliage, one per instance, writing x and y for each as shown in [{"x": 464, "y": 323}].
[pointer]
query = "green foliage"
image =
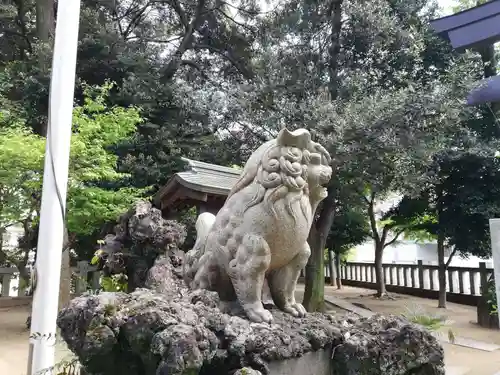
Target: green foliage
[
  {"x": 90, "y": 202},
  {"x": 114, "y": 283},
  {"x": 431, "y": 322},
  {"x": 152, "y": 70},
  {"x": 188, "y": 219},
  {"x": 461, "y": 5},
  {"x": 491, "y": 297},
  {"x": 65, "y": 367},
  {"x": 96, "y": 129},
  {"x": 21, "y": 165},
  {"x": 97, "y": 255},
  {"x": 469, "y": 196}
]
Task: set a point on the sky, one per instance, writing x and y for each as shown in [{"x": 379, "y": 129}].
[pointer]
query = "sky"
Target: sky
[{"x": 446, "y": 5}]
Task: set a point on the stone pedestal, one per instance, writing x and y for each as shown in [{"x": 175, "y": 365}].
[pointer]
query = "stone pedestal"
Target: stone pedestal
[{"x": 169, "y": 329}]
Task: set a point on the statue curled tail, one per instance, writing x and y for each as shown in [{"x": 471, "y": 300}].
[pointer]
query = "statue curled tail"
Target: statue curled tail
[{"x": 204, "y": 224}]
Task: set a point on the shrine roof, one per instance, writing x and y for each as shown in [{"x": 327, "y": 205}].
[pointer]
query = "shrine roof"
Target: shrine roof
[
  {"x": 201, "y": 177},
  {"x": 208, "y": 178}
]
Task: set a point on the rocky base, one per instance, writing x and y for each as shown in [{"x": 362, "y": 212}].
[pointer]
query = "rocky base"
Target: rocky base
[{"x": 179, "y": 331}]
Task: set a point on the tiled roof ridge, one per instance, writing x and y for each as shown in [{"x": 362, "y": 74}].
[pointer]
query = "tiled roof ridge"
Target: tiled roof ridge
[{"x": 207, "y": 168}]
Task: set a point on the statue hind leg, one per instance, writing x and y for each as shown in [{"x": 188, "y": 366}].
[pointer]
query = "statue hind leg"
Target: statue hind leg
[
  {"x": 283, "y": 282},
  {"x": 247, "y": 272}
]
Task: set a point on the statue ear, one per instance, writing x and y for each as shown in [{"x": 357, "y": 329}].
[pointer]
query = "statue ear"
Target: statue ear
[{"x": 300, "y": 138}]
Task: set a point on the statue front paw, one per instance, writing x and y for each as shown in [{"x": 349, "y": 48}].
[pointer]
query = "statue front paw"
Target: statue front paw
[
  {"x": 256, "y": 313},
  {"x": 295, "y": 309},
  {"x": 230, "y": 307}
]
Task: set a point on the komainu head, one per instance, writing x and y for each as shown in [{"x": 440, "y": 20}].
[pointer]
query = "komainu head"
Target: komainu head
[{"x": 288, "y": 168}]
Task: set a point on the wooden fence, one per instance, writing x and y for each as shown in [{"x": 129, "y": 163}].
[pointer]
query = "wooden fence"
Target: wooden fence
[{"x": 464, "y": 284}]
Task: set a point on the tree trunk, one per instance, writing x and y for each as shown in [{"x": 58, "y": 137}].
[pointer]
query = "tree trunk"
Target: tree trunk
[
  {"x": 335, "y": 13},
  {"x": 314, "y": 294},
  {"x": 379, "y": 241},
  {"x": 440, "y": 249},
  {"x": 315, "y": 280},
  {"x": 379, "y": 270},
  {"x": 441, "y": 271},
  {"x": 315, "y": 270},
  {"x": 45, "y": 32},
  {"x": 45, "y": 20},
  {"x": 489, "y": 59},
  {"x": 331, "y": 268},
  {"x": 337, "y": 270}
]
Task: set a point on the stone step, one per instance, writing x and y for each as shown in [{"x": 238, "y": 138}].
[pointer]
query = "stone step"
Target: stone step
[
  {"x": 456, "y": 370},
  {"x": 467, "y": 342}
]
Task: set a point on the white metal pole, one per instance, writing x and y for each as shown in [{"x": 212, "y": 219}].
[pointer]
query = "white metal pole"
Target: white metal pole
[{"x": 55, "y": 180}]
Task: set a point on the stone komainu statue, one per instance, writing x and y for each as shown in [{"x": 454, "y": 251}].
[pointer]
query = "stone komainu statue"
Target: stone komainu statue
[{"x": 260, "y": 235}]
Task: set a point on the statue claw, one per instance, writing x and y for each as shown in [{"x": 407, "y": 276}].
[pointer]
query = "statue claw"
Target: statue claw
[
  {"x": 258, "y": 314},
  {"x": 295, "y": 309},
  {"x": 301, "y": 309}
]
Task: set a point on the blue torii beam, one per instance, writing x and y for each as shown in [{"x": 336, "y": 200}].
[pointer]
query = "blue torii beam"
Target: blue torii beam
[
  {"x": 474, "y": 27},
  {"x": 488, "y": 91}
]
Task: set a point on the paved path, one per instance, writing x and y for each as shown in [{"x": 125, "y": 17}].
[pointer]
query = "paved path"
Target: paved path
[
  {"x": 460, "y": 360},
  {"x": 14, "y": 342}
]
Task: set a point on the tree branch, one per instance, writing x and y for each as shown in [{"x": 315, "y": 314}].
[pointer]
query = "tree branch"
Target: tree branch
[
  {"x": 166, "y": 41},
  {"x": 229, "y": 58},
  {"x": 197, "y": 67},
  {"x": 134, "y": 21},
  {"x": 450, "y": 258},
  {"x": 385, "y": 231},
  {"x": 2, "y": 228},
  {"x": 396, "y": 236},
  {"x": 245, "y": 10},
  {"x": 236, "y": 22},
  {"x": 186, "y": 42},
  {"x": 181, "y": 12}
]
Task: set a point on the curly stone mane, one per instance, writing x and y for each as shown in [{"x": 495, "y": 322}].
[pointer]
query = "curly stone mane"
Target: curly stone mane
[
  {"x": 281, "y": 174},
  {"x": 279, "y": 168}
]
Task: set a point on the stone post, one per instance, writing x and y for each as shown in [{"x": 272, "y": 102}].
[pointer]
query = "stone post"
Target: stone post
[
  {"x": 65, "y": 283},
  {"x": 495, "y": 252},
  {"x": 6, "y": 285},
  {"x": 96, "y": 280},
  {"x": 81, "y": 281}
]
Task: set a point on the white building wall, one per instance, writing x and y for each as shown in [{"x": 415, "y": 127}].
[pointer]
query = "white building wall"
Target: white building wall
[{"x": 411, "y": 252}]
